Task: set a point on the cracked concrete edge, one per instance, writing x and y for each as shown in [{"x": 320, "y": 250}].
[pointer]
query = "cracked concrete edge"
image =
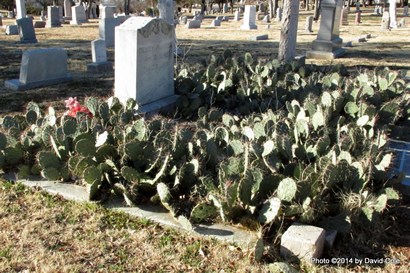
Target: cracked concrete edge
[{"x": 240, "y": 237}]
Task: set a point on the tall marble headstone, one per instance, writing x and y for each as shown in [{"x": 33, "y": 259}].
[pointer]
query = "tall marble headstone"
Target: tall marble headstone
[
  {"x": 236, "y": 16},
  {"x": 328, "y": 44},
  {"x": 144, "y": 63},
  {"x": 386, "y": 21},
  {"x": 21, "y": 9},
  {"x": 67, "y": 9},
  {"x": 107, "y": 24},
  {"x": 166, "y": 12},
  {"x": 392, "y": 12},
  {"x": 249, "y": 18},
  {"x": 53, "y": 17}
]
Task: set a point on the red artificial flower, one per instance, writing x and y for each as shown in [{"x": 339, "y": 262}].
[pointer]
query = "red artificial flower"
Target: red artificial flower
[{"x": 74, "y": 107}]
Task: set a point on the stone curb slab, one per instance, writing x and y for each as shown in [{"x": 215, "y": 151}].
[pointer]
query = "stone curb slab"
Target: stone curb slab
[{"x": 157, "y": 214}]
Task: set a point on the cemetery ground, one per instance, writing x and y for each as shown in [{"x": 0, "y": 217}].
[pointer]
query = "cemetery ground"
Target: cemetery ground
[{"x": 46, "y": 234}]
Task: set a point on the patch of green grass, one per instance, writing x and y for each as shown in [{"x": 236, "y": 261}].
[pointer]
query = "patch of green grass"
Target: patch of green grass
[
  {"x": 6, "y": 253},
  {"x": 191, "y": 254}
]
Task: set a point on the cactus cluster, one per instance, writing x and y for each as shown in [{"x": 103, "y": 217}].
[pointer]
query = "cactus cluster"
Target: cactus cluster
[{"x": 264, "y": 142}]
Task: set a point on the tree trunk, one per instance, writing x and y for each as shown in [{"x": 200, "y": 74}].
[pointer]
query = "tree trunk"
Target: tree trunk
[
  {"x": 317, "y": 9},
  {"x": 271, "y": 9},
  {"x": 275, "y": 6},
  {"x": 288, "y": 33}
]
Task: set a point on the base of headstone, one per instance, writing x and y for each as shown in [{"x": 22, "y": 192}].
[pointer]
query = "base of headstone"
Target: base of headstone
[
  {"x": 315, "y": 54},
  {"x": 300, "y": 59},
  {"x": 75, "y": 23},
  {"x": 67, "y": 18},
  {"x": 259, "y": 37},
  {"x": 248, "y": 27},
  {"x": 163, "y": 105},
  {"x": 16, "y": 85},
  {"x": 100, "y": 67},
  {"x": 25, "y": 41}
]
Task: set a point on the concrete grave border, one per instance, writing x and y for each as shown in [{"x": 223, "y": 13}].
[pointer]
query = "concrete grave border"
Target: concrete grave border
[{"x": 241, "y": 237}]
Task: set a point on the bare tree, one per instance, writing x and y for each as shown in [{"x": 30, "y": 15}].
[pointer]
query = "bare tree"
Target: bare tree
[{"x": 288, "y": 33}]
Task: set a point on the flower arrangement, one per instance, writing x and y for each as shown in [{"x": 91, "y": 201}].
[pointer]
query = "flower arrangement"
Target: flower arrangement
[{"x": 74, "y": 107}]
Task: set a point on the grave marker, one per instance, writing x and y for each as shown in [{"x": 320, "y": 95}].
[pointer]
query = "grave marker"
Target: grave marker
[
  {"x": 386, "y": 21},
  {"x": 99, "y": 57},
  {"x": 78, "y": 14},
  {"x": 144, "y": 63},
  {"x": 26, "y": 30},
  {"x": 309, "y": 24},
  {"x": 345, "y": 17},
  {"x": 53, "y": 19},
  {"x": 249, "y": 18},
  {"x": 67, "y": 9},
  {"x": 328, "y": 44},
  {"x": 41, "y": 67},
  {"x": 12, "y": 30},
  {"x": 392, "y": 12}
]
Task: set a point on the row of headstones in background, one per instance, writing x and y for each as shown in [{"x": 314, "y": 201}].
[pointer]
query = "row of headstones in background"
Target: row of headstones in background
[{"x": 53, "y": 64}]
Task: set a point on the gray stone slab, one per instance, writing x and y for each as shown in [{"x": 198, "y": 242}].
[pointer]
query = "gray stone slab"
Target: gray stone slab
[
  {"x": 259, "y": 37},
  {"x": 100, "y": 67},
  {"x": 312, "y": 54},
  {"x": 193, "y": 24},
  {"x": 41, "y": 67},
  {"x": 161, "y": 105},
  {"x": 215, "y": 23},
  {"x": 107, "y": 30},
  {"x": 157, "y": 214},
  {"x": 53, "y": 16}
]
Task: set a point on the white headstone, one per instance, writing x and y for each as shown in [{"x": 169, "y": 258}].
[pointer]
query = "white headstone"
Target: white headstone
[
  {"x": 193, "y": 24},
  {"x": 278, "y": 15},
  {"x": 21, "y": 9},
  {"x": 106, "y": 30},
  {"x": 53, "y": 64},
  {"x": 107, "y": 11},
  {"x": 386, "y": 21},
  {"x": 249, "y": 18},
  {"x": 144, "y": 60},
  {"x": 98, "y": 51},
  {"x": 67, "y": 9},
  {"x": 309, "y": 24},
  {"x": 236, "y": 16},
  {"x": 166, "y": 11},
  {"x": 215, "y": 23},
  {"x": 225, "y": 8},
  {"x": 53, "y": 18},
  {"x": 392, "y": 12},
  {"x": 78, "y": 15}
]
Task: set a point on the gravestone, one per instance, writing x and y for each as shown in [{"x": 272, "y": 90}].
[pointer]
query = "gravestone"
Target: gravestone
[
  {"x": 193, "y": 24},
  {"x": 183, "y": 20},
  {"x": 99, "y": 57},
  {"x": 225, "y": 18},
  {"x": 259, "y": 37},
  {"x": 12, "y": 30},
  {"x": 26, "y": 30},
  {"x": 53, "y": 19},
  {"x": 225, "y": 8},
  {"x": 21, "y": 9},
  {"x": 406, "y": 11},
  {"x": 401, "y": 23},
  {"x": 219, "y": 18},
  {"x": 344, "y": 19},
  {"x": 39, "y": 24},
  {"x": 166, "y": 13},
  {"x": 78, "y": 15},
  {"x": 144, "y": 63},
  {"x": 41, "y": 67},
  {"x": 328, "y": 44},
  {"x": 236, "y": 16},
  {"x": 215, "y": 23},
  {"x": 266, "y": 19},
  {"x": 392, "y": 12},
  {"x": 278, "y": 15},
  {"x": 357, "y": 18},
  {"x": 249, "y": 18},
  {"x": 106, "y": 30},
  {"x": 67, "y": 9},
  {"x": 42, "y": 16},
  {"x": 386, "y": 21},
  {"x": 309, "y": 24},
  {"x": 107, "y": 11}
]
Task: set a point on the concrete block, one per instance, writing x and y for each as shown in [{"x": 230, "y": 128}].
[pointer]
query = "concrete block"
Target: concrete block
[
  {"x": 100, "y": 67},
  {"x": 304, "y": 241}
]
